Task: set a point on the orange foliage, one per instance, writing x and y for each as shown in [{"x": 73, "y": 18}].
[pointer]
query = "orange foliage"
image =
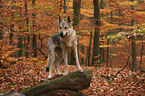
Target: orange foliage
[{"x": 17, "y": 74}]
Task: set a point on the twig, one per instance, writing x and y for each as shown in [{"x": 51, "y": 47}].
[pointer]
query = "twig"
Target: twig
[
  {"x": 122, "y": 76},
  {"x": 40, "y": 51},
  {"x": 120, "y": 70}
]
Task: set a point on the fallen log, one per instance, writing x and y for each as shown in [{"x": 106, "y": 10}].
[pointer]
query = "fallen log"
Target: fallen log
[{"x": 75, "y": 81}]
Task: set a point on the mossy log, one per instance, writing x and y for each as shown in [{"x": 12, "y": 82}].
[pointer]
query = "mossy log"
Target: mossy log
[{"x": 75, "y": 81}]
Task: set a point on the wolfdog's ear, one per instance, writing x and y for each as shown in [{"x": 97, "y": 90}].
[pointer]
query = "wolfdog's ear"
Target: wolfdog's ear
[
  {"x": 59, "y": 19},
  {"x": 68, "y": 19}
]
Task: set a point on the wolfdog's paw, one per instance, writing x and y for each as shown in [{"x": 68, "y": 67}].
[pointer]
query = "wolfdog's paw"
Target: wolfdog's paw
[
  {"x": 49, "y": 77},
  {"x": 66, "y": 73},
  {"x": 81, "y": 70},
  {"x": 47, "y": 69},
  {"x": 59, "y": 74}
]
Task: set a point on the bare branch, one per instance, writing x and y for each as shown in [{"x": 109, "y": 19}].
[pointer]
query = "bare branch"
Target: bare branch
[
  {"x": 40, "y": 51},
  {"x": 121, "y": 69}
]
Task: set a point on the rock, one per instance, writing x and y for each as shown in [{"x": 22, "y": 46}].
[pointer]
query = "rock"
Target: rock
[{"x": 75, "y": 81}]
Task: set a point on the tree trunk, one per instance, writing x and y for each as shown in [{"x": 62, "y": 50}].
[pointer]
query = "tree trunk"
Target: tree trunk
[
  {"x": 34, "y": 44},
  {"x": 89, "y": 50},
  {"x": 34, "y": 30},
  {"x": 134, "y": 62},
  {"x": 1, "y": 27},
  {"x": 1, "y": 30},
  {"x": 102, "y": 53},
  {"x": 82, "y": 58},
  {"x": 60, "y": 6},
  {"x": 102, "y": 4},
  {"x": 12, "y": 26},
  {"x": 108, "y": 51},
  {"x": 20, "y": 45},
  {"x": 76, "y": 7},
  {"x": 11, "y": 31},
  {"x": 64, "y": 6},
  {"x": 111, "y": 61},
  {"x": 27, "y": 39},
  {"x": 95, "y": 58},
  {"x": 141, "y": 54}
]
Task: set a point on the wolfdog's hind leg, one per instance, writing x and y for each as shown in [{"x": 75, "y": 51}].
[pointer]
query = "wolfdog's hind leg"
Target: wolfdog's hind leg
[
  {"x": 77, "y": 60},
  {"x": 66, "y": 64},
  {"x": 59, "y": 55},
  {"x": 57, "y": 64}
]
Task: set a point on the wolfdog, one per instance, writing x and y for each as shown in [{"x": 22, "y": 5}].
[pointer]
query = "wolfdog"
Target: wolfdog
[{"x": 59, "y": 44}]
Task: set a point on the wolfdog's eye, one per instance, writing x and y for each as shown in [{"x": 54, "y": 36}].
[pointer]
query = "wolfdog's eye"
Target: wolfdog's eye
[{"x": 65, "y": 27}]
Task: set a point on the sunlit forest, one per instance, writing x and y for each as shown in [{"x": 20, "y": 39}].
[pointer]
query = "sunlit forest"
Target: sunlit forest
[{"x": 111, "y": 42}]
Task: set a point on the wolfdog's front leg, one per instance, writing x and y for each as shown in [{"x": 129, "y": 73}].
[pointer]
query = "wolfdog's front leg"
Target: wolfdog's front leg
[
  {"x": 77, "y": 60},
  {"x": 51, "y": 58},
  {"x": 66, "y": 65}
]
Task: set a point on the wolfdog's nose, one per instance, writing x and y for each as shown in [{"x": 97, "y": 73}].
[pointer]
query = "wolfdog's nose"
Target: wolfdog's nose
[{"x": 61, "y": 34}]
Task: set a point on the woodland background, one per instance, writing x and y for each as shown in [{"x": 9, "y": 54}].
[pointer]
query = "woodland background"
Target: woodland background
[{"x": 110, "y": 35}]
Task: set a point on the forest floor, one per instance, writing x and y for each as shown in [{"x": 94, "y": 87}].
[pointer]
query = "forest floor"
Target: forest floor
[{"x": 28, "y": 73}]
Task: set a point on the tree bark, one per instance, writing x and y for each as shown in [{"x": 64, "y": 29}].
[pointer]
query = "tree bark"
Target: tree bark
[
  {"x": 76, "y": 7},
  {"x": 20, "y": 46},
  {"x": 34, "y": 30},
  {"x": 134, "y": 62},
  {"x": 12, "y": 25},
  {"x": 27, "y": 39},
  {"x": 95, "y": 58},
  {"x": 89, "y": 50},
  {"x": 82, "y": 58},
  {"x": 141, "y": 54},
  {"x": 108, "y": 51},
  {"x": 102, "y": 53},
  {"x": 1, "y": 27},
  {"x": 20, "y": 39},
  {"x": 64, "y": 6}
]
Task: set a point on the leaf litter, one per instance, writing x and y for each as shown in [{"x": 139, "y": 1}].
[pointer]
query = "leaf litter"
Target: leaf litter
[
  {"x": 131, "y": 83},
  {"x": 28, "y": 73}
]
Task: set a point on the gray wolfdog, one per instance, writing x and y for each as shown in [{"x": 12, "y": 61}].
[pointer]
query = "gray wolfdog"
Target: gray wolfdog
[{"x": 60, "y": 44}]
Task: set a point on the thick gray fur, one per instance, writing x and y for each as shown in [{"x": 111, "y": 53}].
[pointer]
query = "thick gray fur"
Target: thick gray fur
[{"x": 60, "y": 44}]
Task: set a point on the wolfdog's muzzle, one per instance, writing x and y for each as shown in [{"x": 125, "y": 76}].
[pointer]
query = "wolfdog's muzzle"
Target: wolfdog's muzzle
[{"x": 61, "y": 34}]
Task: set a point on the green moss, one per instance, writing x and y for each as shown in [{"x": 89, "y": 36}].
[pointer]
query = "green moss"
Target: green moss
[{"x": 62, "y": 82}]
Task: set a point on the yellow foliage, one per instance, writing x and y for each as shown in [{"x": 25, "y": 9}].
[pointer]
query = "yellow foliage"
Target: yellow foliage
[
  {"x": 28, "y": 63},
  {"x": 124, "y": 41},
  {"x": 128, "y": 3},
  {"x": 119, "y": 46},
  {"x": 106, "y": 10},
  {"x": 141, "y": 12},
  {"x": 113, "y": 54},
  {"x": 82, "y": 55},
  {"x": 104, "y": 46},
  {"x": 34, "y": 59},
  {"x": 110, "y": 26},
  {"x": 87, "y": 12},
  {"x": 84, "y": 40}
]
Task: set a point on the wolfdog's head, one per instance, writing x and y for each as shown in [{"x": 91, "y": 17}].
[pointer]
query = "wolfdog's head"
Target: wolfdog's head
[{"x": 64, "y": 26}]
